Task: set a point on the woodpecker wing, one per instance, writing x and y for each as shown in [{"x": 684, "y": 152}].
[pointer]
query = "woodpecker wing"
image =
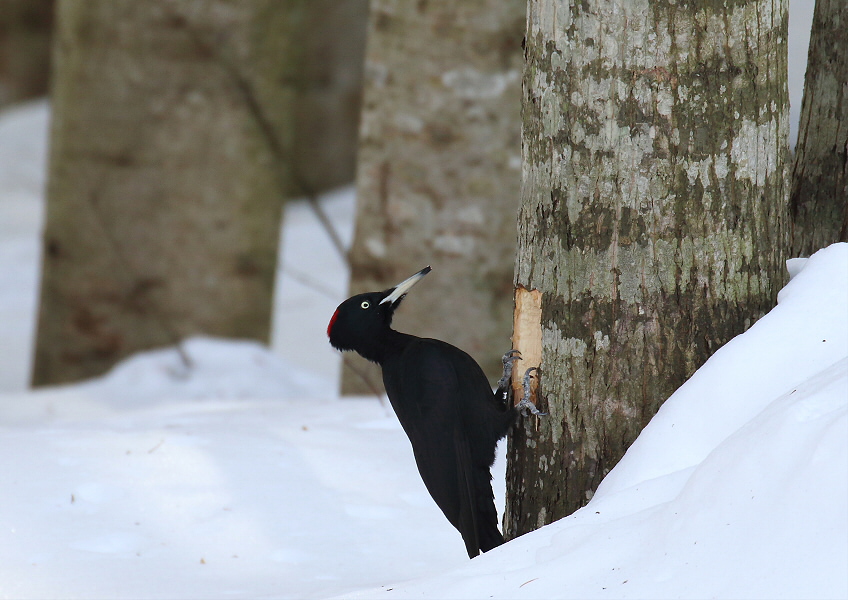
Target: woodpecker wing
[{"x": 426, "y": 394}]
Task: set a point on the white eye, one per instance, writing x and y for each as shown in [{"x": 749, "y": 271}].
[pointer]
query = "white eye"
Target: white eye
[{"x": 365, "y": 304}]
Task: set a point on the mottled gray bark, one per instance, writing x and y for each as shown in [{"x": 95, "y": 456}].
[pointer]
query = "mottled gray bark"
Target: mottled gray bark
[
  {"x": 25, "y": 31},
  {"x": 438, "y": 174},
  {"x": 651, "y": 227},
  {"x": 167, "y": 176},
  {"x": 819, "y": 196}
]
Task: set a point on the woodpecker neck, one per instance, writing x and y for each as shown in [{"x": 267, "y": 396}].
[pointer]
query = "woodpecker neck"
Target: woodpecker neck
[{"x": 387, "y": 343}]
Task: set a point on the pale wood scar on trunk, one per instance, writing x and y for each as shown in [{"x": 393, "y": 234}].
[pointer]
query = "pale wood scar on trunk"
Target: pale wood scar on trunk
[{"x": 527, "y": 339}]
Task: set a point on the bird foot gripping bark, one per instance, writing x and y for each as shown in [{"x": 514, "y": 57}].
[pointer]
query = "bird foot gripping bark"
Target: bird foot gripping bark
[
  {"x": 526, "y": 406},
  {"x": 508, "y": 361}
]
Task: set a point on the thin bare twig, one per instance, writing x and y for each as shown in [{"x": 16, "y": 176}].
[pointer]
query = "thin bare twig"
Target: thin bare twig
[
  {"x": 328, "y": 227},
  {"x": 309, "y": 282},
  {"x": 367, "y": 380}
]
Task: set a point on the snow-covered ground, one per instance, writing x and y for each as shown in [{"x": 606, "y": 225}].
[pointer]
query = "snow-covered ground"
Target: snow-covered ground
[{"x": 247, "y": 477}]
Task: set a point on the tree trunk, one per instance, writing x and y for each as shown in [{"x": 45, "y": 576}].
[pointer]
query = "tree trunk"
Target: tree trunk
[
  {"x": 438, "y": 175},
  {"x": 331, "y": 47},
  {"x": 25, "y": 31},
  {"x": 819, "y": 196},
  {"x": 651, "y": 226},
  {"x": 167, "y": 175}
]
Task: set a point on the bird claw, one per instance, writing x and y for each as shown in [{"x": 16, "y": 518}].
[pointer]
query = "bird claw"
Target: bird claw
[
  {"x": 511, "y": 356},
  {"x": 508, "y": 359},
  {"x": 526, "y": 406}
]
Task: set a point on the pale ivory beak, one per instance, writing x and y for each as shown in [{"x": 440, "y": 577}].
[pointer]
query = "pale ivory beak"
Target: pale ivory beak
[{"x": 400, "y": 290}]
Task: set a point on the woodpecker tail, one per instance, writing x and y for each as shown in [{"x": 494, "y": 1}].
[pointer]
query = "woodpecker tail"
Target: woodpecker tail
[{"x": 488, "y": 534}]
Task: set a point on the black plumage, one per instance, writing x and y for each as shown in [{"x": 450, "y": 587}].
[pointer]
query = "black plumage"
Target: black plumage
[{"x": 444, "y": 403}]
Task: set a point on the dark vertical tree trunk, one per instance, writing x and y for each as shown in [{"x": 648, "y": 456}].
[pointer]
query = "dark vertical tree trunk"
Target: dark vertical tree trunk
[
  {"x": 170, "y": 159},
  {"x": 331, "y": 51},
  {"x": 25, "y": 32},
  {"x": 438, "y": 175},
  {"x": 651, "y": 226},
  {"x": 819, "y": 196}
]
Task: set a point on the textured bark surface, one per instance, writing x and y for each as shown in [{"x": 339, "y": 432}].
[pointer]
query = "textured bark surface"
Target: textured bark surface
[
  {"x": 165, "y": 186},
  {"x": 819, "y": 196},
  {"x": 439, "y": 169},
  {"x": 651, "y": 220},
  {"x": 25, "y": 32}
]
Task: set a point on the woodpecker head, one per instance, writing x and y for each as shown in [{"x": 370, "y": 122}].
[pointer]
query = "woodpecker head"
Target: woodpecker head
[{"x": 360, "y": 320}]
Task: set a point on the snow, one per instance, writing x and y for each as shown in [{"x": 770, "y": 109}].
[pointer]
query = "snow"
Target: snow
[
  {"x": 23, "y": 156},
  {"x": 207, "y": 498},
  {"x": 243, "y": 475},
  {"x": 798, "y": 42}
]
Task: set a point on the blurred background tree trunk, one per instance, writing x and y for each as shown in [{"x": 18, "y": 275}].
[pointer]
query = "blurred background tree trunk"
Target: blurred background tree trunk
[
  {"x": 331, "y": 55},
  {"x": 819, "y": 197},
  {"x": 438, "y": 174},
  {"x": 172, "y": 151},
  {"x": 651, "y": 226},
  {"x": 25, "y": 32}
]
